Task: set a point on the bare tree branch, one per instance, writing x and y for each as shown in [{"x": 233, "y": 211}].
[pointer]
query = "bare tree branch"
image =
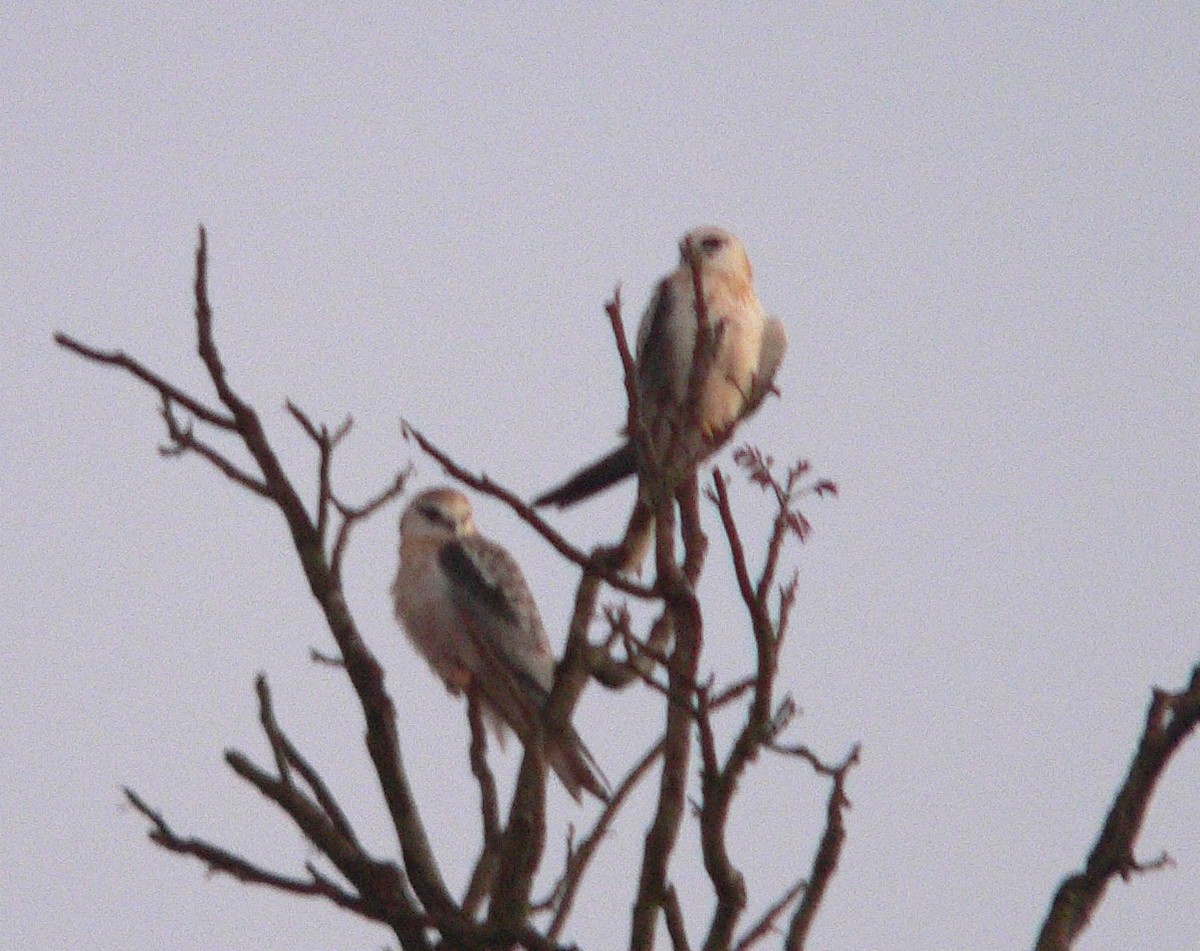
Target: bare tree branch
[
  {"x": 288, "y": 757},
  {"x": 720, "y": 782},
  {"x": 117, "y": 358},
  {"x": 523, "y": 839},
  {"x": 633, "y": 422},
  {"x": 766, "y": 924},
  {"x": 676, "y": 928},
  {"x": 183, "y": 439},
  {"x": 321, "y": 437},
  {"x": 529, "y": 515},
  {"x": 266, "y": 716},
  {"x": 826, "y": 860},
  {"x": 222, "y": 861},
  {"x": 1170, "y": 719},
  {"x": 413, "y": 899},
  {"x": 695, "y": 542},
  {"x": 364, "y": 670},
  {"x": 684, "y": 609},
  {"x": 641, "y": 656},
  {"x": 582, "y": 856},
  {"x": 351, "y": 516},
  {"x": 483, "y": 878}
]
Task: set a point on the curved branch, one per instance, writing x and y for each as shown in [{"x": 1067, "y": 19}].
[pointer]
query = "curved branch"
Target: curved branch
[
  {"x": 583, "y": 855},
  {"x": 1169, "y": 721},
  {"x": 168, "y": 391},
  {"x": 530, "y": 517},
  {"x": 826, "y": 860},
  {"x": 364, "y": 670},
  {"x": 222, "y": 861}
]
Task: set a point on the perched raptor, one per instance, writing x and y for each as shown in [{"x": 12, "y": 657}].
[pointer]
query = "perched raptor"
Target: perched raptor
[
  {"x": 467, "y": 609},
  {"x": 749, "y": 347}
]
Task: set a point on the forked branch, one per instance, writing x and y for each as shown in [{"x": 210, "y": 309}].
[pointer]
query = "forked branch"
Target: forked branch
[{"x": 1170, "y": 719}]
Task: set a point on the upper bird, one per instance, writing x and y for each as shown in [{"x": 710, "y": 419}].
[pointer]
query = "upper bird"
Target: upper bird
[
  {"x": 749, "y": 347},
  {"x": 467, "y": 609}
]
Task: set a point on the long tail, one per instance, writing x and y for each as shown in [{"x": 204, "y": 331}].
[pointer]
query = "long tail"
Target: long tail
[
  {"x": 619, "y": 464},
  {"x": 576, "y": 767}
]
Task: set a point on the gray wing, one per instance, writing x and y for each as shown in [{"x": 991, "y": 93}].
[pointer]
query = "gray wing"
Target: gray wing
[
  {"x": 514, "y": 667},
  {"x": 657, "y": 356}
]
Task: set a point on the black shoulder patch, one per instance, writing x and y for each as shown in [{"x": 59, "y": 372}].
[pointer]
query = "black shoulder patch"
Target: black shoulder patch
[
  {"x": 653, "y": 357},
  {"x": 461, "y": 568}
]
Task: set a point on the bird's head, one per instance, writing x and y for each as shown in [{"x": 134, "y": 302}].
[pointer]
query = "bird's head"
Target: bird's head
[
  {"x": 438, "y": 513},
  {"x": 716, "y": 250}
]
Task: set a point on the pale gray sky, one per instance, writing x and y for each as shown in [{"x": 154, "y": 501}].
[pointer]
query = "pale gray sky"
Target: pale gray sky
[{"x": 981, "y": 228}]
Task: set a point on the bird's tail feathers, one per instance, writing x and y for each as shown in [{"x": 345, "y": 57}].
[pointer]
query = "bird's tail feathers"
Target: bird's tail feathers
[
  {"x": 576, "y": 767},
  {"x": 619, "y": 464}
]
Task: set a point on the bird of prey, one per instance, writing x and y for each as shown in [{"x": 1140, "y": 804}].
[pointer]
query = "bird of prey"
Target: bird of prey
[
  {"x": 748, "y": 349},
  {"x": 467, "y": 609}
]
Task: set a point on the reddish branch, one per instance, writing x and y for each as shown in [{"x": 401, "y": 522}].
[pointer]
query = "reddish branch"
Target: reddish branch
[
  {"x": 581, "y": 856},
  {"x": 1169, "y": 721},
  {"x": 323, "y": 824},
  {"x": 683, "y": 611},
  {"x": 828, "y": 853},
  {"x": 413, "y": 898},
  {"x": 765, "y": 719},
  {"x": 221, "y": 861},
  {"x": 529, "y": 515}
]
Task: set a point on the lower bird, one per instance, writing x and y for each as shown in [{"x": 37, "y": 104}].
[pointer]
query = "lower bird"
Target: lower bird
[{"x": 465, "y": 605}]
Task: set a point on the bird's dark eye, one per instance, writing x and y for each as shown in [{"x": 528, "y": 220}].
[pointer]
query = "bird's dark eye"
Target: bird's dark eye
[
  {"x": 711, "y": 244},
  {"x": 435, "y": 515}
]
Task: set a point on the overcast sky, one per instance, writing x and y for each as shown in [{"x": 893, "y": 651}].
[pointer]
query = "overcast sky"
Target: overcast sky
[{"x": 980, "y": 227}]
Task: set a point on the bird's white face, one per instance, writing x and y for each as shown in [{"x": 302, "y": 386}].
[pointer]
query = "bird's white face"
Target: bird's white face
[
  {"x": 717, "y": 250},
  {"x": 438, "y": 513}
]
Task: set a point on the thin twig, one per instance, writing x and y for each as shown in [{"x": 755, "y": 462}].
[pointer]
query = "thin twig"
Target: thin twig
[
  {"x": 766, "y": 924},
  {"x": 226, "y": 862},
  {"x": 527, "y": 514},
  {"x": 117, "y": 358},
  {"x": 183, "y": 439},
  {"x": 287, "y": 755},
  {"x": 586, "y": 850},
  {"x": 732, "y": 693},
  {"x": 633, "y": 423},
  {"x": 676, "y": 928},
  {"x": 351, "y": 516},
  {"x": 325, "y": 451},
  {"x": 826, "y": 860},
  {"x": 266, "y": 716}
]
